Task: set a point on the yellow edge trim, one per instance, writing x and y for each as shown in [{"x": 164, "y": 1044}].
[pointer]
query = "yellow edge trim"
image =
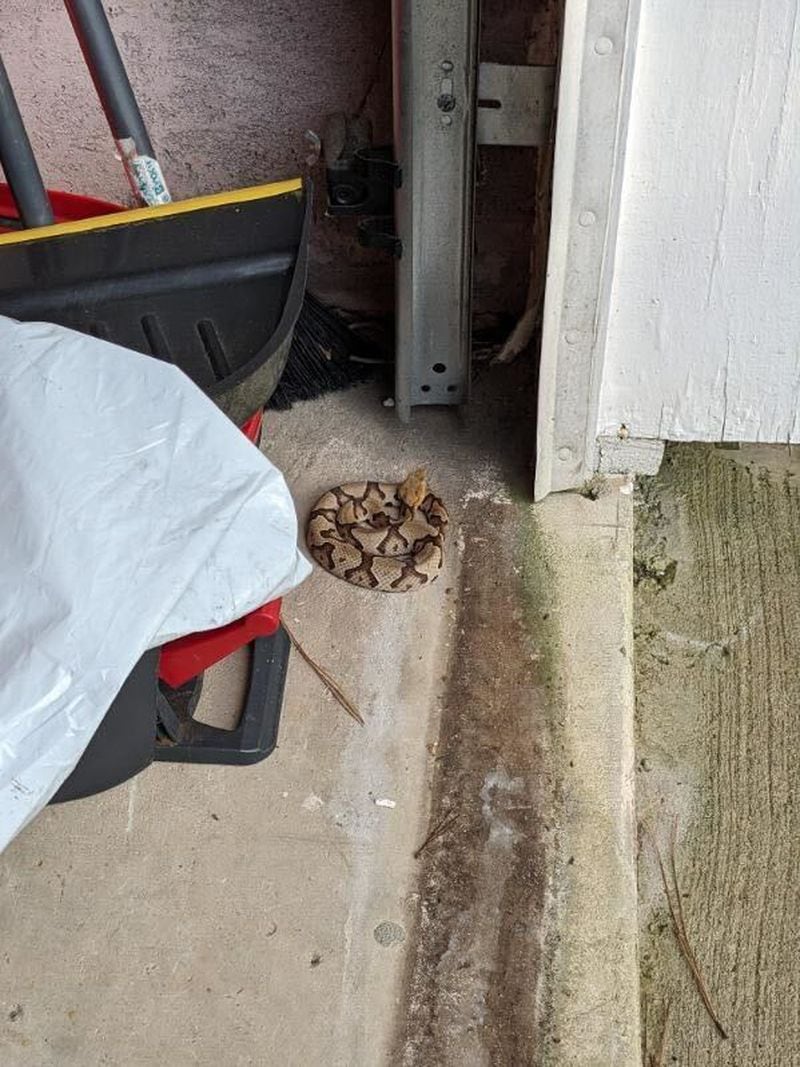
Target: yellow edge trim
[{"x": 142, "y": 214}]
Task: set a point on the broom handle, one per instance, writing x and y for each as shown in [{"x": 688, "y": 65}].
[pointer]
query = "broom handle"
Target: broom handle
[
  {"x": 92, "y": 28},
  {"x": 18, "y": 161}
]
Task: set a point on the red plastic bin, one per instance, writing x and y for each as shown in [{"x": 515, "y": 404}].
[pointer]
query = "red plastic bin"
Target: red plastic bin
[
  {"x": 189, "y": 656},
  {"x": 66, "y": 206}
]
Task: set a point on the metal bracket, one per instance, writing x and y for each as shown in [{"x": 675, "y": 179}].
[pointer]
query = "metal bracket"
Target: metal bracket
[
  {"x": 445, "y": 102},
  {"x": 361, "y": 177},
  {"x": 363, "y": 184},
  {"x": 377, "y": 231},
  {"x": 436, "y": 52},
  {"x": 515, "y": 104}
]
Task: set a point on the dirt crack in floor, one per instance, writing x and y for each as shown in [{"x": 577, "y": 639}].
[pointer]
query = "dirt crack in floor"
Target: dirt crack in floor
[{"x": 472, "y": 980}]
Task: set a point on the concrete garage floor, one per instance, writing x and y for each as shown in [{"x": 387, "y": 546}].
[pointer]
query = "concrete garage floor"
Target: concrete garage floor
[
  {"x": 276, "y": 915},
  {"x": 259, "y": 915}
]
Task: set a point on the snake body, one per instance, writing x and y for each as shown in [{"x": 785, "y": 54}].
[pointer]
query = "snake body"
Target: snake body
[{"x": 380, "y": 535}]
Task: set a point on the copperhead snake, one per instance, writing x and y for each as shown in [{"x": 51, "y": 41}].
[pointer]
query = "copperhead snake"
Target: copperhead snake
[{"x": 380, "y": 535}]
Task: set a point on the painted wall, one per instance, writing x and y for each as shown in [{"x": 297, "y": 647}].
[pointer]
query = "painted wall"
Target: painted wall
[
  {"x": 703, "y": 336},
  {"x": 228, "y": 88}
]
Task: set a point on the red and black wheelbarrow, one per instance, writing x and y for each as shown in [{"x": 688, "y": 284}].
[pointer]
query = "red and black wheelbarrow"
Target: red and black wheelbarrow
[{"x": 213, "y": 285}]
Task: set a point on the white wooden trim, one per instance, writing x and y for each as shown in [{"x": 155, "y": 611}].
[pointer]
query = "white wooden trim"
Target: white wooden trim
[{"x": 594, "y": 96}]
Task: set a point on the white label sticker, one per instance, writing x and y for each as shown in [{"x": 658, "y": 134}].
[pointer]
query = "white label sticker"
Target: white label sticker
[{"x": 148, "y": 180}]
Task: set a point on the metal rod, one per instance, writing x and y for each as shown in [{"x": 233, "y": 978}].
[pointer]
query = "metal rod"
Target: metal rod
[
  {"x": 18, "y": 161},
  {"x": 90, "y": 22}
]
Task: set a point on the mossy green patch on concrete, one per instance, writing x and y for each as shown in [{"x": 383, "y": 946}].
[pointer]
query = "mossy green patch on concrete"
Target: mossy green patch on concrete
[{"x": 538, "y": 586}]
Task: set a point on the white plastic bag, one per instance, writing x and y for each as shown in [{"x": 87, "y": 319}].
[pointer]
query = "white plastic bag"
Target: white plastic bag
[{"x": 132, "y": 511}]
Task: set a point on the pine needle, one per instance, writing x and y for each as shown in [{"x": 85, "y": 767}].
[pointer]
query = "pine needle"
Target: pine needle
[
  {"x": 326, "y": 679},
  {"x": 673, "y": 841},
  {"x": 679, "y": 928},
  {"x": 647, "y": 1057},
  {"x": 440, "y": 828}
]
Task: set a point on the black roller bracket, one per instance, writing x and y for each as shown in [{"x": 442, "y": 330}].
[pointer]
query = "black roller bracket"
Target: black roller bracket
[
  {"x": 364, "y": 183},
  {"x": 361, "y": 180},
  {"x": 378, "y": 232}
]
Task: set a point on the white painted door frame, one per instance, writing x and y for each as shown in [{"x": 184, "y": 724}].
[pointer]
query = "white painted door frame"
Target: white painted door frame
[
  {"x": 594, "y": 97},
  {"x": 672, "y": 304}
]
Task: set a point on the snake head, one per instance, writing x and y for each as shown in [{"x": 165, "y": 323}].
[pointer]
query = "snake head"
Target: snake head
[{"x": 413, "y": 490}]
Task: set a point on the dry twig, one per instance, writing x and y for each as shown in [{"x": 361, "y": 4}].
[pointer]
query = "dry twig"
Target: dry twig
[
  {"x": 673, "y": 842},
  {"x": 442, "y": 826},
  {"x": 679, "y": 927},
  {"x": 326, "y": 679}
]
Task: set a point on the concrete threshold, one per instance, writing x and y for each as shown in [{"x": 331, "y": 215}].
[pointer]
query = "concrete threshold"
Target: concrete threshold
[
  {"x": 525, "y": 948},
  {"x": 590, "y": 998}
]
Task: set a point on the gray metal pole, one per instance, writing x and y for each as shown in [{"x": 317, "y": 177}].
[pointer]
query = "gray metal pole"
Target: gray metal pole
[
  {"x": 91, "y": 25},
  {"x": 19, "y": 162},
  {"x": 90, "y": 22}
]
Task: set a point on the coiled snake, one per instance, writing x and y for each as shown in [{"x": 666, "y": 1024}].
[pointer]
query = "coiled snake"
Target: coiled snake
[{"x": 380, "y": 535}]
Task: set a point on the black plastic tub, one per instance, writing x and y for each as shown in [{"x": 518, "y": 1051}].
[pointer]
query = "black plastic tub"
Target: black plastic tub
[{"x": 213, "y": 285}]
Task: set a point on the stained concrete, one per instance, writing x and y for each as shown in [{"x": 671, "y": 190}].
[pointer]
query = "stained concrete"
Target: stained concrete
[
  {"x": 525, "y": 953},
  {"x": 475, "y": 967},
  {"x": 718, "y": 641}
]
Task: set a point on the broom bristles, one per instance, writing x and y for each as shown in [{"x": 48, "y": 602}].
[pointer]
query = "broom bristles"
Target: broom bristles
[{"x": 326, "y": 356}]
